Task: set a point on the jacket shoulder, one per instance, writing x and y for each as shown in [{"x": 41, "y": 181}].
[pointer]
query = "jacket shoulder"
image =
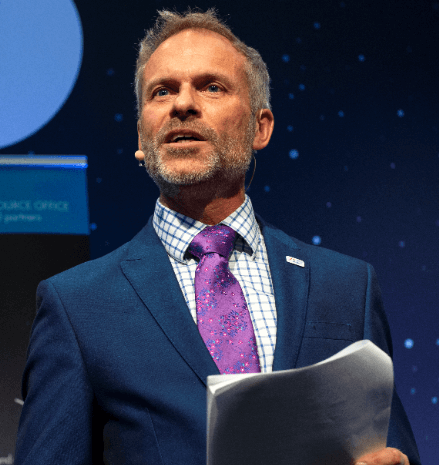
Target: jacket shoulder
[
  {"x": 321, "y": 256},
  {"x": 107, "y": 267}
]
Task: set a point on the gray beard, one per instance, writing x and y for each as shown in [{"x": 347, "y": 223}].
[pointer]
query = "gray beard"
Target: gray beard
[{"x": 229, "y": 159}]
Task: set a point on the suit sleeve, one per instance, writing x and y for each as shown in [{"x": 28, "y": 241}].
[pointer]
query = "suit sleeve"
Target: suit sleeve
[
  {"x": 56, "y": 425},
  {"x": 377, "y": 330}
]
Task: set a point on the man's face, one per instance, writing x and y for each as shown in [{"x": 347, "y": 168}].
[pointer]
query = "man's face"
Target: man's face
[{"x": 196, "y": 121}]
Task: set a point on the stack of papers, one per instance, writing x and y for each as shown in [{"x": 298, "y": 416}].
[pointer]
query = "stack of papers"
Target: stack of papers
[{"x": 329, "y": 413}]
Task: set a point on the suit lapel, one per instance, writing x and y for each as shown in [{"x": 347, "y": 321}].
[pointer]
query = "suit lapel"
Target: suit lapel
[
  {"x": 150, "y": 272},
  {"x": 291, "y": 283}
]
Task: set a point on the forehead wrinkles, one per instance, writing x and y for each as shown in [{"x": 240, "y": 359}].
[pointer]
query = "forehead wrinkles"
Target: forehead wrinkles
[{"x": 209, "y": 49}]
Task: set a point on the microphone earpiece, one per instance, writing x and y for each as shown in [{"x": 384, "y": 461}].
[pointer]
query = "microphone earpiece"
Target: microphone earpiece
[{"x": 140, "y": 156}]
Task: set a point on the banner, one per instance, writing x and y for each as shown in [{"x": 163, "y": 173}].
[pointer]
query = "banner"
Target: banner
[{"x": 43, "y": 194}]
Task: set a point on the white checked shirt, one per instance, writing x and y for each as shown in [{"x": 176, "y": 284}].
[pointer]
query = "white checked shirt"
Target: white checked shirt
[{"x": 248, "y": 263}]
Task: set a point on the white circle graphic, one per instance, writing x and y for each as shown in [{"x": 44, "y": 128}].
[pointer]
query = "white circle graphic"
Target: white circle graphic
[{"x": 41, "y": 45}]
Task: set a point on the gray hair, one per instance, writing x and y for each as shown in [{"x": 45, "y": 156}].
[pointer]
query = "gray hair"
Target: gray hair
[{"x": 168, "y": 24}]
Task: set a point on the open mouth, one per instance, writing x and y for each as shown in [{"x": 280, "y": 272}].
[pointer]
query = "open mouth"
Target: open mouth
[{"x": 182, "y": 137}]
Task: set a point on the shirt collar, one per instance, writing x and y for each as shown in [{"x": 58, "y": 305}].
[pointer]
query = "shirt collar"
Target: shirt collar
[{"x": 176, "y": 231}]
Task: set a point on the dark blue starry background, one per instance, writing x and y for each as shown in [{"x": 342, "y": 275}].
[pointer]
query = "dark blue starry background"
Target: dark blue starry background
[{"x": 353, "y": 164}]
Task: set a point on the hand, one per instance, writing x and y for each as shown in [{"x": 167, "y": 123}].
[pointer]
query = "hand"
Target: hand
[{"x": 387, "y": 456}]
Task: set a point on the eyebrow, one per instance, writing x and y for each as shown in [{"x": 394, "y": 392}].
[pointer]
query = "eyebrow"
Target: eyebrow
[{"x": 199, "y": 78}]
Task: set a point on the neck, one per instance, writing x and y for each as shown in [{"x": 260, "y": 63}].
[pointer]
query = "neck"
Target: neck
[{"x": 208, "y": 205}]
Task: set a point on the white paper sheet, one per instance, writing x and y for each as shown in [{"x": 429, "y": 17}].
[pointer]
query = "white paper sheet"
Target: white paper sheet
[{"x": 328, "y": 413}]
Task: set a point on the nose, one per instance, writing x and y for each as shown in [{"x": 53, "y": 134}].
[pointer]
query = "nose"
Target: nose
[{"x": 185, "y": 103}]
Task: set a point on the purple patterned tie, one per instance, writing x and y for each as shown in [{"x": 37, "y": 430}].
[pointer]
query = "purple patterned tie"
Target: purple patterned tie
[{"x": 222, "y": 314}]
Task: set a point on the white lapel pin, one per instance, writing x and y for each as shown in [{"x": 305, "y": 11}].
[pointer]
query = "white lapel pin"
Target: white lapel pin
[{"x": 296, "y": 261}]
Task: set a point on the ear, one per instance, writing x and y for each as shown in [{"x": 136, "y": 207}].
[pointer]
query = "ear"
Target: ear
[{"x": 264, "y": 129}]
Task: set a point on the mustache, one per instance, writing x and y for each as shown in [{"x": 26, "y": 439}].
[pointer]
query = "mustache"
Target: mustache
[{"x": 205, "y": 131}]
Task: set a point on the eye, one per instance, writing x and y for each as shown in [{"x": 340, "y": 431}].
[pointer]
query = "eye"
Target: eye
[
  {"x": 161, "y": 92},
  {"x": 213, "y": 88}
]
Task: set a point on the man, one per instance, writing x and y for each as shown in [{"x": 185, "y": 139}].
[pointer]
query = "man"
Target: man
[{"x": 119, "y": 352}]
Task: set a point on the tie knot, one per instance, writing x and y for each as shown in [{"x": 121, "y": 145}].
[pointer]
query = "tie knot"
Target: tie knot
[{"x": 213, "y": 239}]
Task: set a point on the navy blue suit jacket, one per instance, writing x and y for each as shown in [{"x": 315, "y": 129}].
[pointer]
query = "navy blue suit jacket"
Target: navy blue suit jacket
[{"x": 116, "y": 369}]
